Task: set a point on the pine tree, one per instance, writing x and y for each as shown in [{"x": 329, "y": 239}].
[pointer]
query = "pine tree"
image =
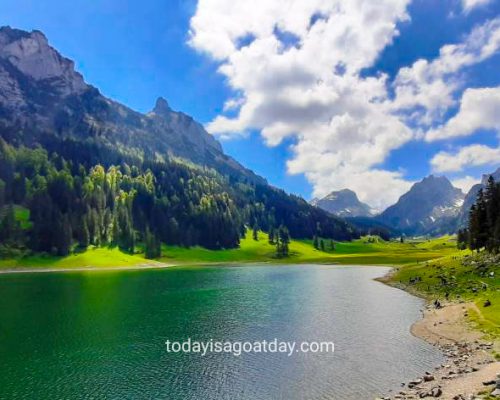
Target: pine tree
[
  {"x": 332, "y": 245},
  {"x": 492, "y": 206},
  {"x": 255, "y": 232},
  {"x": 10, "y": 229},
  {"x": 84, "y": 239},
  {"x": 474, "y": 228},
  {"x": 2, "y": 193},
  {"x": 271, "y": 235},
  {"x": 316, "y": 242},
  {"x": 63, "y": 235},
  {"x": 152, "y": 246},
  {"x": 282, "y": 241},
  {"x": 482, "y": 220},
  {"x": 462, "y": 239},
  {"x": 322, "y": 245}
]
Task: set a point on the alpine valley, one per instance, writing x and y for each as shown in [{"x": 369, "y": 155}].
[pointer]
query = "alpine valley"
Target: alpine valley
[
  {"x": 90, "y": 171},
  {"x": 431, "y": 207},
  {"x": 86, "y": 170}
]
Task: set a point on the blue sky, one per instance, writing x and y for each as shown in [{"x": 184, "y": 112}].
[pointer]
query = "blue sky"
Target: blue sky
[{"x": 136, "y": 51}]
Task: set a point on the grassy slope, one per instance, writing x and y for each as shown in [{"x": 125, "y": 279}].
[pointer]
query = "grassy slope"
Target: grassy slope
[
  {"x": 100, "y": 257},
  {"x": 463, "y": 282},
  {"x": 356, "y": 252}
]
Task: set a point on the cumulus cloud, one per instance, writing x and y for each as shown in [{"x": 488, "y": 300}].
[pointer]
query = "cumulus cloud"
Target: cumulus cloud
[
  {"x": 427, "y": 87},
  {"x": 465, "y": 183},
  {"x": 469, "y": 5},
  {"x": 310, "y": 88},
  {"x": 296, "y": 70},
  {"x": 478, "y": 110},
  {"x": 473, "y": 155}
]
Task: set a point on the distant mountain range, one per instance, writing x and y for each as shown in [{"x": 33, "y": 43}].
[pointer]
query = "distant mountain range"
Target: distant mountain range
[
  {"x": 432, "y": 206},
  {"x": 344, "y": 203}
]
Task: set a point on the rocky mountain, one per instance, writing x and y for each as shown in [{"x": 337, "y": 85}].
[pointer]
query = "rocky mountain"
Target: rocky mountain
[
  {"x": 43, "y": 98},
  {"x": 166, "y": 180},
  {"x": 431, "y": 206},
  {"x": 343, "y": 203},
  {"x": 471, "y": 197}
]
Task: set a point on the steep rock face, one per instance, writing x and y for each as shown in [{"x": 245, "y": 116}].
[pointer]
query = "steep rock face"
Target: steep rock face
[
  {"x": 31, "y": 54},
  {"x": 43, "y": 98},
  {"x": 471, "y": 197},
  {"x": 431, "y": 206},
  {"x": 343, "y": 203}
]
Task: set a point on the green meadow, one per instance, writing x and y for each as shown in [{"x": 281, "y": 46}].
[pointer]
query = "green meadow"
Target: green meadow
[
  {"x": 365, "y": 251},
  {"x": 464, "y": 277}
]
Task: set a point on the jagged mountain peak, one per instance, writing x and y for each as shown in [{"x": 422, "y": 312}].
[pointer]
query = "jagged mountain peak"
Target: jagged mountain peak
[
  {"x": 495, "y": 175},
  {"x": 343, "y": 203},
  {"x": 430, "y": 206},
  {"x": 162, "y": 107},
  {"x": 31, "y": 54},
  {"x": 439, "y": 183}
]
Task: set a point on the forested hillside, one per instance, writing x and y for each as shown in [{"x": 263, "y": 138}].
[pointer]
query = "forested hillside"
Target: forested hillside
[
  {"x": 84, "y": 170},
  {"x": 80, "y": 194}
]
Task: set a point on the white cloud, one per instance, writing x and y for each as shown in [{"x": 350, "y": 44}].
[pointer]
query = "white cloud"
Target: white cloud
[
  {"x": 479, "y": 109},
  {"x": 465, "y": 183},
  {"x": 468, "y": 5},
  {"x": 310, "y": 89},
  {"x": 427, "y": 87},
  {"x": 468, "y": 156},
  {"x": 295, "y": 67}
]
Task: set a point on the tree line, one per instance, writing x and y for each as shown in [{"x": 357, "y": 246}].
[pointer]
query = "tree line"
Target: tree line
[
  {"x": 79, "y": 193},
  {"x": 483, "y": 230}
]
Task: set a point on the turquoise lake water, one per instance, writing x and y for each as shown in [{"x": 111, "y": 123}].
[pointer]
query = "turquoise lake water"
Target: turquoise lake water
[{"x": 101, "y": 335}]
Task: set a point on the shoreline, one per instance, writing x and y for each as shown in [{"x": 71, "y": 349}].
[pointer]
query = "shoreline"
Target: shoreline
[
  {"x": 469, "y": 360},
  {"x": 157, "y": 265}
]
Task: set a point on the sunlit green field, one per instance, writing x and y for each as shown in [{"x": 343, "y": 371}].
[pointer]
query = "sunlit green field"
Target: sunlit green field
[
  {"x": 99, "y": 257},
  {"x": 366, "y": 251},
  {"x": 360, "y": 251}
]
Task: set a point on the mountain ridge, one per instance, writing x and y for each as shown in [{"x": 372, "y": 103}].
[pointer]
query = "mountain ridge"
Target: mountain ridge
[
  {"x": 431, "y": 206},
  {"x": 343, "y": 203},
  {"x": 41, "y": 94}
]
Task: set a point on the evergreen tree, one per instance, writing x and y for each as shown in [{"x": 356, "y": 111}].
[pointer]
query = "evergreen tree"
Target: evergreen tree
[
  {"x": 332, "y": 245},
  {"x": 62, "y": 235},
  {"x": 462, "y": 239},
  {"x": 271, "y": 235},
  {"x": 84, "y": 236},
  {"x": 10, "y": 229},
  {"x": 322, "y": 245},
  {"x": 316, "y": 242},
  {"x": 2, "y": 193},
  {"x": 255, "y": 232},
  {"x": 152, "y": 246},
  {"x": 282, "y": 241},
  {"x": 484, "y": 219}
]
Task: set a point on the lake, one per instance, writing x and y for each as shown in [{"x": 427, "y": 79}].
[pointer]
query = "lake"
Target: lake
[{"x": 83, "y": 335}]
